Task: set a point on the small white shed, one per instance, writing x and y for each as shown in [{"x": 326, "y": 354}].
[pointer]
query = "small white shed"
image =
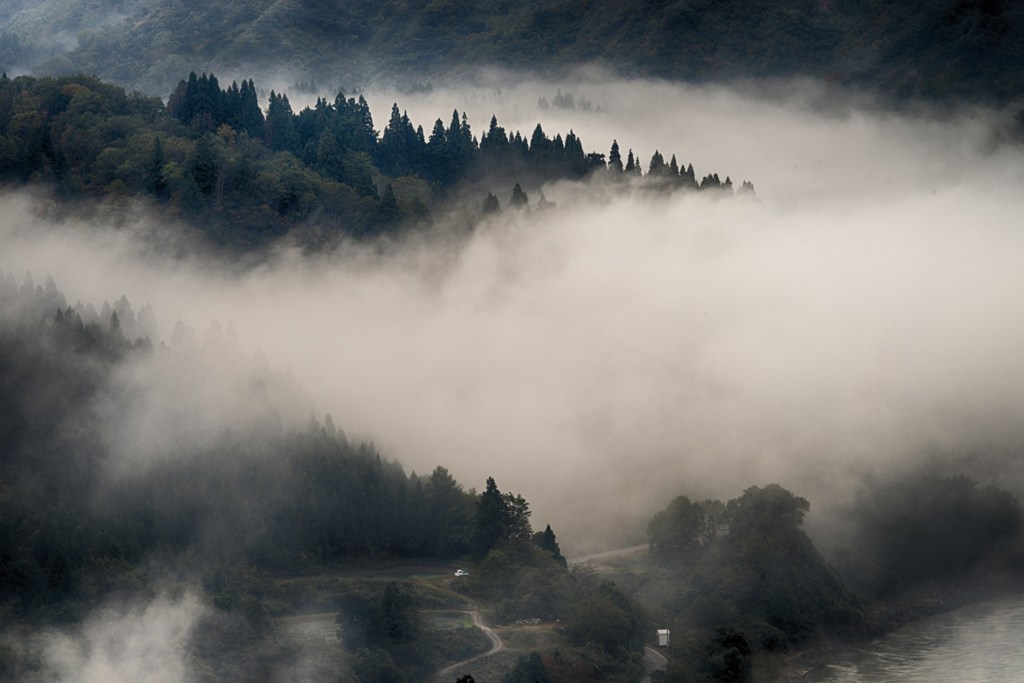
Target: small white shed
[{"x": 663, "y": 637}]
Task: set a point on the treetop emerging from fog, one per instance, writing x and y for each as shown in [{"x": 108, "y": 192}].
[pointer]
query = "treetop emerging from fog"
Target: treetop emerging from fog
[{"x": 247, "y": 176}]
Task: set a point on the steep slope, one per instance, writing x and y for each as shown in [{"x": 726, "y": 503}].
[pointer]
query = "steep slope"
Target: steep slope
[{"x": 971, "y": 49}]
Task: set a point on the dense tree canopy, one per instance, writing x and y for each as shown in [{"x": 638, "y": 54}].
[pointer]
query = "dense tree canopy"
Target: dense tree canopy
[
  {"x": 749, "y": 579},
  {"x": 213, "y": 158},
  {"x": 929, "y": 529}
]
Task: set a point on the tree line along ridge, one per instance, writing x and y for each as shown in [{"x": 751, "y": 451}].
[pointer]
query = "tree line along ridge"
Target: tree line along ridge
[{"x": 246, "y": 176}]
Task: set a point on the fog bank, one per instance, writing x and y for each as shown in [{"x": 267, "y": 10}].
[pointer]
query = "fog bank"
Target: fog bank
[
  {"x": 115, "y": 644},
  {"x": 610, "y": 353}
]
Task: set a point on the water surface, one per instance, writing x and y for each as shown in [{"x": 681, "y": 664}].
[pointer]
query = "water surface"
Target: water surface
[{"x": 983, "y": 642}]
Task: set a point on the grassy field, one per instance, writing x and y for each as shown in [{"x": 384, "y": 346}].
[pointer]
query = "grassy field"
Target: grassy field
[{"x": 447, "y": 620}]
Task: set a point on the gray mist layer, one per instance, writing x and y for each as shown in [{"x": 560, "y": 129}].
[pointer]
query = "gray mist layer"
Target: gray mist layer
[
  {"x": 117, "y": 643},
  {"x": 610, "y": 353}
]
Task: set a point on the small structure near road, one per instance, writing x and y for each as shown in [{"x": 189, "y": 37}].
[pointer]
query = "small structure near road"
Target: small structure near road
[{"x": 663, "y": 637}]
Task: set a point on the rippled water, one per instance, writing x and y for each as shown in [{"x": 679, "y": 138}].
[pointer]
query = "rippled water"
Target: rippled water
[{"x": 982, "y": 642}]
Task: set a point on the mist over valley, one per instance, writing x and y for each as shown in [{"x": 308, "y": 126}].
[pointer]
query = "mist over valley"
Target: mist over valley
[
  {"x": 734, "y": 352},
  {"x": 635, "y": 345}
]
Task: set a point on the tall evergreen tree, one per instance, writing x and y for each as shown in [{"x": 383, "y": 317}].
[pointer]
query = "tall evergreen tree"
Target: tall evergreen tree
[
  {"x": 631, "y": 166},
  {"x": 250, "y": 116},
  {"x": 540, "y": 145},
  {"x": 437, "y": 153},
  {"x": 615, "y": 158},
  {"x": 657, "y": 166},
  {"x": 366, "y": 139},
  {"x": 392, "y": 152},
  {"x": 178, "y": 103},
  {"x": 495, "y": 141},
  {"x": 519, "y": 145},
  {"x": 490, "y": 519},
  {"x": 519, "y": 199},
  {"x": 546, "y": 541},
  {"x": 491, "y": 204},
  {"x": 450, "y": 514},
  {"x": 279, "y": 127},
  {"x": 576, "y": 159},
  {"x": 460, "y": 147}
]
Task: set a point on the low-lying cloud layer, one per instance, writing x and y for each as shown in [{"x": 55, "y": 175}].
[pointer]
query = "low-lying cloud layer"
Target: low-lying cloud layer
[
  {"x": 121, "y": 644},
  {"x": 605, "y": 355}
]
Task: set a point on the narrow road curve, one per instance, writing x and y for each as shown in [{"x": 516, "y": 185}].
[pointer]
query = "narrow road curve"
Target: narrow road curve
[
  {"x": 653, "y": 661},
  {"x": 497, "y": 645}
]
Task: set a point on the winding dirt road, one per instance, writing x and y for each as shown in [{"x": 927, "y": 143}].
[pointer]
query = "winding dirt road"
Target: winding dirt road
[{"x": 497, "y": 645}]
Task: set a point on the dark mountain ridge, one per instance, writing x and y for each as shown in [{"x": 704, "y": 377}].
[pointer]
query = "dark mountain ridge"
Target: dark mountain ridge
[{"x": 939, "y": 49}]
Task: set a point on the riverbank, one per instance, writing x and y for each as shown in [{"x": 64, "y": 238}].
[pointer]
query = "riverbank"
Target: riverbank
[{"x": 817, "y": 659}]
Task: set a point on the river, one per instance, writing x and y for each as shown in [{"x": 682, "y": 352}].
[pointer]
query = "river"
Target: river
[{"x": 981, "y": 642}]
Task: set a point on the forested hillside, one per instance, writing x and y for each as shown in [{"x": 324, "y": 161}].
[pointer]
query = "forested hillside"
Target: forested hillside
[
  {"x": 746, "y": 580},
  {"x": 660, "y": 331},
  {"x": 127, "y": 464},
  {"x": 102, "y": 469},
  {"x": 245, "y": 176},
  {"x": 936, "y": 49}
]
